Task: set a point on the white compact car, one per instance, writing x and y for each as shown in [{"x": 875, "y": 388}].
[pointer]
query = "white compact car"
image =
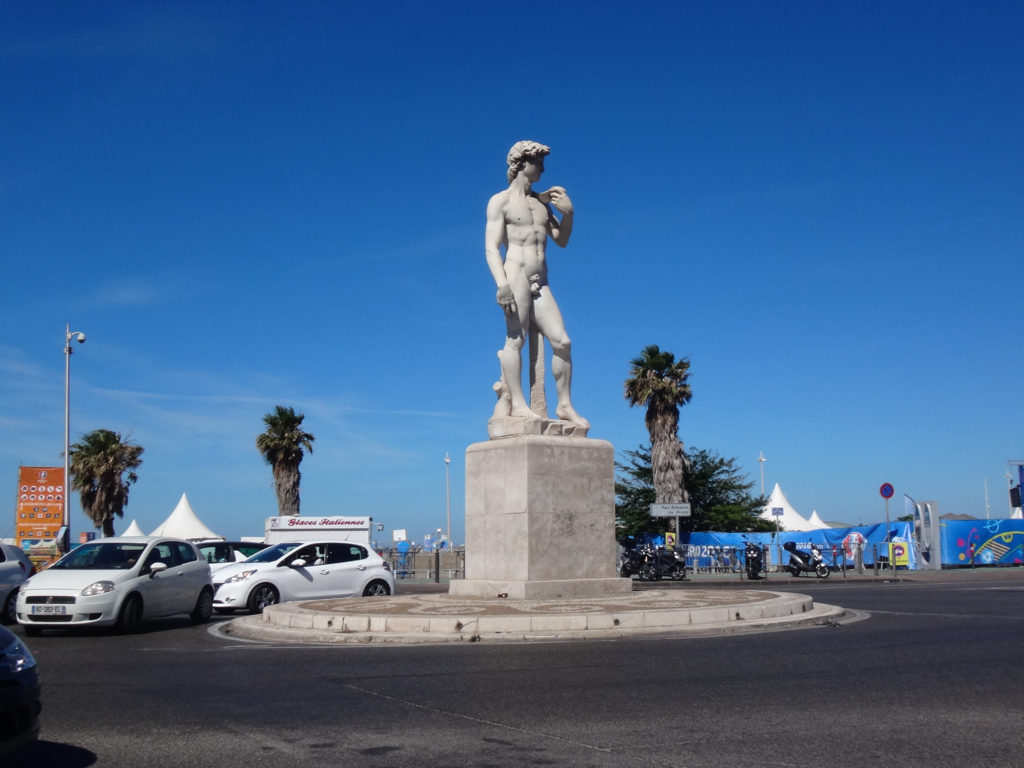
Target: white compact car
[
  {"x": 15, "y": 568},
  {"x": 301, "y": 571},
  {"x": 120, "y": 580}
]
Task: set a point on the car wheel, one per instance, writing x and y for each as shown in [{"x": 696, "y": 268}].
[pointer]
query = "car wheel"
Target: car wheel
[
  {"x": 10, "y": 612},
  {"x": 377, "y": 589},
  {"x": 204, "y": 608},
  {"x": 130, "y": 618},
  {"x": 261, "y": 596}
]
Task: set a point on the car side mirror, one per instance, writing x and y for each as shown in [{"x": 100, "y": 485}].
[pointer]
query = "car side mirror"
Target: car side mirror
[
  {"x": 298, "y": 563},
  {"x": 156, "y": 568}
]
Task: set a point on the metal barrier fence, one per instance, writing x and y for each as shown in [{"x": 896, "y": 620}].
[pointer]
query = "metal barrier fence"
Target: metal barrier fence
[
  {"x": 446, "y": 565},
  {"x": 712, "y": 560},
  {"x": 419, "y": 565},
  {"x": 723, "y": 560}
]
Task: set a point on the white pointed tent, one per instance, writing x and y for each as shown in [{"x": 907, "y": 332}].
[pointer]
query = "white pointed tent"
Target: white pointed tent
[
  {"x": 133, "y": 530},
  {"x": 816, "y": 522},
  {"x": 790, "y": 519},
  {"x": 183, "y": 523}
]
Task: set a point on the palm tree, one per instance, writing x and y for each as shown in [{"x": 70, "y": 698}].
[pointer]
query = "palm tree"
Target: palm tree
[
  {"x": 660, "y": 383},
  {"x": 282, "y": 445},
  {"x": 102, "y": 467}
]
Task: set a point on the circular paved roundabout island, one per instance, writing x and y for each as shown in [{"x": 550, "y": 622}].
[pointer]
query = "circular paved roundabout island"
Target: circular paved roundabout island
[{"x": 444, "y": 618}]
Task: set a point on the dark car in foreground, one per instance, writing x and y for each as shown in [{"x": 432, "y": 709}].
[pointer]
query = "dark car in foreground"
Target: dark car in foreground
[{"x": 19, "y": 693}]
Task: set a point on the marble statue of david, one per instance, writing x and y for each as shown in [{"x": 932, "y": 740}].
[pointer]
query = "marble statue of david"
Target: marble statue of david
[{"x": 521, "y": 220}]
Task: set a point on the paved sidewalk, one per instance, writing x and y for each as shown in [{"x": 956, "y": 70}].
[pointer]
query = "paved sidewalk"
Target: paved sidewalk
[{"x": 785, "y": 580}]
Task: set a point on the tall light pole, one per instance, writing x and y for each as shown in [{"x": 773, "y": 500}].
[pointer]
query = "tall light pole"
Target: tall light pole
[
  {"x": 761, "y": 459},
  {"x": 448, "y": 498},
  {"x": 80, "y": 338}
]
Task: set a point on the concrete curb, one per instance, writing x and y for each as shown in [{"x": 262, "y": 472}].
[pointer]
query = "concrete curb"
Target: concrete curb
[{"x": 441, "y": 618}]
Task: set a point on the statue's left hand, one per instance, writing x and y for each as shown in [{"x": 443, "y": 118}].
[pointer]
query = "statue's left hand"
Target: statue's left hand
[{"x": 558, "y": 197}]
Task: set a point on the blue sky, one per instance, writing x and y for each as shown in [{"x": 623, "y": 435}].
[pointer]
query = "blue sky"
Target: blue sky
[{"x": 244, "y": 205}]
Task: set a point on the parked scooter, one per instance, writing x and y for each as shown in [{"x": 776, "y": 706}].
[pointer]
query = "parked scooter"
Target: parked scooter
[
  {"x": 802, "y": 561},
  {"x": 754, "y": 557}
]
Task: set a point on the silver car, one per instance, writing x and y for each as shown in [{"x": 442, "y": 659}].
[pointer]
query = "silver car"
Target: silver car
[
  {"x": 121, "y": 581},
  {"x": 15, "y": 568}
]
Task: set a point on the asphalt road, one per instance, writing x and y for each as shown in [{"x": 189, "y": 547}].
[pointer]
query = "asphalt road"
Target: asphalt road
[{"x": 932, "y": 674}]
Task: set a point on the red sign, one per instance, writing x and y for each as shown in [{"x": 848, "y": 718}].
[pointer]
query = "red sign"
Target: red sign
[{"x": 886, "y": 490}]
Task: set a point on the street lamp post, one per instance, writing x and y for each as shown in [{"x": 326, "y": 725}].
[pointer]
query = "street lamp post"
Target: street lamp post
[
  {"x": 448, "y": 498},
  {"x": 761, "y": 460},
  {"x": 80, "y": 338}
]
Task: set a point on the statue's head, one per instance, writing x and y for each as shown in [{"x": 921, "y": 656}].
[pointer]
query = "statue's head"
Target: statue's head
[{"x": 521, "y": 152}]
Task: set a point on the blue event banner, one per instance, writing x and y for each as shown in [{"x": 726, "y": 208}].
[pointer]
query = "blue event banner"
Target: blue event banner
[
  {"x": 982, "y": 542},
  {"x": 963, "y": 543}
]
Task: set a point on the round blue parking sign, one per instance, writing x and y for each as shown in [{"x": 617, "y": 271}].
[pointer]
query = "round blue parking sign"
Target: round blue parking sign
[{"x": 886, "y": 490}]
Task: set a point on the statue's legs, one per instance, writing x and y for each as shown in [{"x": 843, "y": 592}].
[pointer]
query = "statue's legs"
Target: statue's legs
[
  {"x": 561, "y": 369},
  {"x": 512, "y": 369},
  {"x": 548, "y": 320}
]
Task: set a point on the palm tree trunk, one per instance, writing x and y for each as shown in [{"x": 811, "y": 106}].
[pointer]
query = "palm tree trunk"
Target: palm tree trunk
[
  {"x": 666, "y": 456},
  {"x": 286, "y": 486}
]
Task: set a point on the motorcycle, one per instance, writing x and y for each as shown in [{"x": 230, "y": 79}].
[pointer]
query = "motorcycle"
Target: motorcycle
[
  {"x": 802, "y": 561},
  {"x": 662, "y": 563},
  {"x": 653, "y": 564},
  {"x": 754, "y": 557},
  {"x": 632, "y": 560}
]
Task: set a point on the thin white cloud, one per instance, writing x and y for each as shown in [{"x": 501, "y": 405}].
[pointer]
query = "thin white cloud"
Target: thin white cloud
[
  {"x": 119, "y": 294},
  {"x": 322, "y": 407},
  {"x": 14, "y": 367}
]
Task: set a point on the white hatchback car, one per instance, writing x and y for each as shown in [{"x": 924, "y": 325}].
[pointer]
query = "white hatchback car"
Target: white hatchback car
[
  {"x": 120, "y": 580},
  {"x": 301, "y": 571}
]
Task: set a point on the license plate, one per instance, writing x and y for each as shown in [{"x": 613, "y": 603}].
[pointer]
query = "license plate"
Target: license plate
[{"x": 49, "y": 609}]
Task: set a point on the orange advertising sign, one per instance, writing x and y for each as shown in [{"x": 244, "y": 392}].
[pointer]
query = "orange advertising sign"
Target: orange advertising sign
[{"x": 40, "y": 513}]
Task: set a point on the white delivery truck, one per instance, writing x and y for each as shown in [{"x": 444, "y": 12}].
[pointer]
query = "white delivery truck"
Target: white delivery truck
[{"x": 299, "y": 528}]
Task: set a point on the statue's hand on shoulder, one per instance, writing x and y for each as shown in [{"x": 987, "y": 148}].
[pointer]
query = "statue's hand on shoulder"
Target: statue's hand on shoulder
[
  {"x": 506, "y": 298},
  {"x": 558, "y": 197}
]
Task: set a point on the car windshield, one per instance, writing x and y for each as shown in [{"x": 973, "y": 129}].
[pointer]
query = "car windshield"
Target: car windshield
[
  {"x": 273, "y": 553},
  {"x": 101, "y": 556}
]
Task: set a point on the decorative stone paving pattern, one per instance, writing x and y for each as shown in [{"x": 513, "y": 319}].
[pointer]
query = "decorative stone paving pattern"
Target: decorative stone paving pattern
[{"x": 448, "y": 605}]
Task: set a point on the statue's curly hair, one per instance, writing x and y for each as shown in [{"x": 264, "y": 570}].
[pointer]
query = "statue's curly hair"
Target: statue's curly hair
[{"x": 521, "y": 152}]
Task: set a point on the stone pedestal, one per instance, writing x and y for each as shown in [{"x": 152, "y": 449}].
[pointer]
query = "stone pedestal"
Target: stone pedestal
[{"x": 540, "y": 519}]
